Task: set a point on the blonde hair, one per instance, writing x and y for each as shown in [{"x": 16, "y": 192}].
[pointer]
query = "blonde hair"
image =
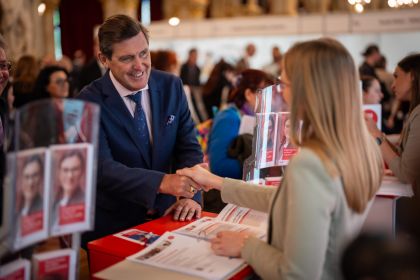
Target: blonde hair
[{"x": 326, "y": 96}]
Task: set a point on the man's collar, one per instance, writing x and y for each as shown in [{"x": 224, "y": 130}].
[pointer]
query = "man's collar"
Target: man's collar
[{"x": 121, "y": 89}]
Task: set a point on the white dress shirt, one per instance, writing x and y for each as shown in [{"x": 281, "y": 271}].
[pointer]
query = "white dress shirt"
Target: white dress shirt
[{"x": 131, "y": 105}]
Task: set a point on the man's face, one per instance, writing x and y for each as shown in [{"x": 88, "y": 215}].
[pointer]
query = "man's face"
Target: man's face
[
  {"x": 31, "y": 180},
  {"x": 4, "y": 71},
  {"x": 70, "y": 173},
  {"x": 130, "y": 62}
]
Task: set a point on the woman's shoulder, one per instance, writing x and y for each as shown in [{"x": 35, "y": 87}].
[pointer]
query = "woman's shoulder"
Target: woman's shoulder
[
  {"x": 415, "y": 112},
  {"x": 230, "y": 112},
  {"x": 308, "y": 161},
  {"x": 306, "y": 156}
]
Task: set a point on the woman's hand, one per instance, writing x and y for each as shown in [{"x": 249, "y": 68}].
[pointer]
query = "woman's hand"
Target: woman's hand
[
  {"x": 371, "y": 125},
  {"x": 202, "y": 176},
  {"x": 229, "y": 243}
]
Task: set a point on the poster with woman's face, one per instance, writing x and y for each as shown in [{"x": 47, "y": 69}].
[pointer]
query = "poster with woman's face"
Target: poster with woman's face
[
  {"x": 70, "y": 176},
  {"x": 32, "y": 189},
  {"x": 266, "y": 139},
  {"x": 285, "y": 149}
]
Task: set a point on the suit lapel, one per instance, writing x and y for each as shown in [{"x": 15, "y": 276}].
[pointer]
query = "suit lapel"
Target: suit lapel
[
  {"x": 157, "y": 111},
  {"x": 117, "y": 107}
]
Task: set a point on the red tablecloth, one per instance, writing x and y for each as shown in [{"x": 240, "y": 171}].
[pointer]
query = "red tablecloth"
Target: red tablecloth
[{"x": 109, "y": 250}]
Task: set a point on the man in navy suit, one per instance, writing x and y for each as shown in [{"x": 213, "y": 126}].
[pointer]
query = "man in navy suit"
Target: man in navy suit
[{"x": 136, "y": 178}]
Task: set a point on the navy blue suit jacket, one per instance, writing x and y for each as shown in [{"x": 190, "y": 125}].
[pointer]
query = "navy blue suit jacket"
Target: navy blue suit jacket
[{"x": 128, "y": 179}]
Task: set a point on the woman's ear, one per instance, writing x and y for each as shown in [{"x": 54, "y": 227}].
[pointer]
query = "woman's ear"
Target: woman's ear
[{"x": 249, "y": 95}]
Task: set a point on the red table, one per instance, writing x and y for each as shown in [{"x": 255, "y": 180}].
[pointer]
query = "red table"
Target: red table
[{"x": 110, "y": 250}]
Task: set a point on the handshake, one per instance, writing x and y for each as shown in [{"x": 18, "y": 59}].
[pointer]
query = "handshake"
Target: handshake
[{"x": 186, "y": 182}]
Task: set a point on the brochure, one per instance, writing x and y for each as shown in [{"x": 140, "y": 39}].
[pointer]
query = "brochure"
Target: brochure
[
  {"x": 59, "y": 264},
  {"x": 31, "y": 199},
  {"x": 16, "y": 270},
  {"x": 138, "y": 236},
  {"x": 374, "y": 111},
  {"x": 187, "y": 255},
  {"x": 266, "y": 139},
  {"x": 207, "y": 228},
  {"x": 240, "y": 215},
  {"x": 71, "y": 188},
  {"x": 285, "y": 150}
]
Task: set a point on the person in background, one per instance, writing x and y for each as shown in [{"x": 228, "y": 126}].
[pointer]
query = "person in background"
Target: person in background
[
  {"x": 94, "y": 68},
  {"x": 220, "y": 80},
  {"x": 52, "y": 81},
  {"x": 166, "y": 60},
  {"x": 146, "y": 134},
  {"x": 274, "y": 68},
  {"x": 5, "y": 67},
  {"x": 381, "y": 72},
  {"x": 190, "y": 72},
  {"x": 371, "y": 56},
  {"x": 404, "y": 160},
  {"x": 329, "y": 185},
  {"x": 225, "y": 129},
  {"x": 243, "y": 62},
  {"x": 24, "y": 78},
  {"x": 371, "y": 90}
]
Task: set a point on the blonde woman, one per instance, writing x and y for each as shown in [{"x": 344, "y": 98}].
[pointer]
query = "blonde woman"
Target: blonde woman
[{"x": 328, "y": 187}]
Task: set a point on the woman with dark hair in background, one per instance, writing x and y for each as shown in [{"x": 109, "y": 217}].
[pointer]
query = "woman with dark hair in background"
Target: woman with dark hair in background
[
  {"x": 219, "y": 80},
  {"x": 226, "y": 128},
  {"x": 404, "y": 160},
  {"x": 24, "y": 78},
  {"x": 52, "y": 81}
]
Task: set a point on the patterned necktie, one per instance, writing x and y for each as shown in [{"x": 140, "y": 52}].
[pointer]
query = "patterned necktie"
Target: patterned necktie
[{"x": 140, "y": 120}]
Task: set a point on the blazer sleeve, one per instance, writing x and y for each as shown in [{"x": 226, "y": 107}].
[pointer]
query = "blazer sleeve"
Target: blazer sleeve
[
  {"x": 246, "y": 195},
  {"x": 311, "y": 198},
  {"x": 406, "y": 167}
]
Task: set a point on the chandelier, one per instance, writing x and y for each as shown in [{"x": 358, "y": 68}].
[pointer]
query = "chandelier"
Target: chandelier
[
  {"x": 402, "y": 3},
  {"x": 358, "y": 4}
]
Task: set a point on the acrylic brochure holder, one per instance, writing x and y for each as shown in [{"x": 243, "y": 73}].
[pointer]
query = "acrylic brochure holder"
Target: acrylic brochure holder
[
  {"x": 271, "y": 146},
  {"x": 50, "y": 183}
]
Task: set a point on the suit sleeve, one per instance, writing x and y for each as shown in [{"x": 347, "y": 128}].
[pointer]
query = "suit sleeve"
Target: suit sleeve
[{"x": 311, "y": 199}]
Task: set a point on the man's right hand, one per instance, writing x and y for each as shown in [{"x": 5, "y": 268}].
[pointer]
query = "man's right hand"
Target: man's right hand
[{"x": 178, "y": 185}]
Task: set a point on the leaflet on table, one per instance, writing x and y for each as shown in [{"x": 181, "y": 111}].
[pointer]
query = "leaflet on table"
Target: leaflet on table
[
  {"x": 187, "y": 255},
  {"x": 16, "y": 270},
  {"x": 391, "y": 186},
  {"x": 138, "y": 236},
  {"x": 207, "y": 228},
  {"x": 241, "y": 215}
]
